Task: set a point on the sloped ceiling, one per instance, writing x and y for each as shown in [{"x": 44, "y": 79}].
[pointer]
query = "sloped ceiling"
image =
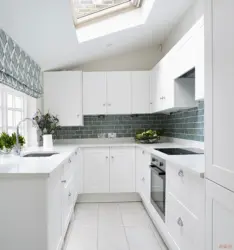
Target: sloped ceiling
[{"x": 45, "y": 30}]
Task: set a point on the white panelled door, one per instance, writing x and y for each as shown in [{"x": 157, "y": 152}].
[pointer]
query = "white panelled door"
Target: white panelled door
[
  {"x": 219, "y": 101},
  {"x": 140, "y": 92},
  {"x": 122, "y": 169},
  {"x": 118, "y": 92},
  {"x": 220, "y": 218},
  {"x": 96, "y": 170},
  {"x": 94, "y": 93}
]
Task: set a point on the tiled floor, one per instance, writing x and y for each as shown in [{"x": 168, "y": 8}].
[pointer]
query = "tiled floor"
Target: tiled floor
[{"x": 112, "y": 226}]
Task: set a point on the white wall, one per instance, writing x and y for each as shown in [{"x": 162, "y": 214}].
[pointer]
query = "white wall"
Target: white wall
[
  {"x": 185, "y": 23},
  {"x": 143, "y": 59}
]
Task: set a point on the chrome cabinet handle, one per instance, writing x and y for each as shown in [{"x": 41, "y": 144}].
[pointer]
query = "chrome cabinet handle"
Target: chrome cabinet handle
[
  {"x": 180, "y": 222},
  {"x": 107, "y": 157},
  {"x": 69, "y": 160},
  {"x": 143, "y": 179},
  {"x": 104, "y": 104},
  {"x": 112, "y": 157},
  {"x": 76, "y": 153},
  {"x": 181, "y": 173},
  {"x": 63, "y": 181},
  {"x": 69, "y": 194},
  {"x": 143, "y": 152}
]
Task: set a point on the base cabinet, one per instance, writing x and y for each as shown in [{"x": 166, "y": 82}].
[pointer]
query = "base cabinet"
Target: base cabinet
[
  {"x": 96, "y": 170},
  {"x": 109, "y": 170},
  {"x": 143, "y": 173},
  {"x": 219, "y": 218},
  {"x": 122, "y": 170}
]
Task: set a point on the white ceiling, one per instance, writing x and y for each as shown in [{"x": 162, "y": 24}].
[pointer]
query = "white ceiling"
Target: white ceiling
[{"x": 45, "y": 30}]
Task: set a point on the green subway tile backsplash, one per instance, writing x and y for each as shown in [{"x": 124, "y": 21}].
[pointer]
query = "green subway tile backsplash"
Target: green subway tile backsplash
[{"x": 186, "y": 124}]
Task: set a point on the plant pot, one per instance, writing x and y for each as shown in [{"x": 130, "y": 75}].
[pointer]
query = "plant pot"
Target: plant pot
[
  {"x": 47, "y": 141},
  {"x": 6, "y": 150}
]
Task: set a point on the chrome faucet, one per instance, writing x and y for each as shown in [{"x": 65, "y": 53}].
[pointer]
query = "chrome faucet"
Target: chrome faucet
[{"x": 17, "y": 146}]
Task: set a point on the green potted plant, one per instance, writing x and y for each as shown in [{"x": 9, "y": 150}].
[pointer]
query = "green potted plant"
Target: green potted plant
[
  {"x": 7, "y": 142},
  {"x": 48, "y": 125}
]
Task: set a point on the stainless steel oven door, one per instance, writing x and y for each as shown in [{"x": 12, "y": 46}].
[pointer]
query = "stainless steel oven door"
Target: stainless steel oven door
[{"x": 158, "y": 188}]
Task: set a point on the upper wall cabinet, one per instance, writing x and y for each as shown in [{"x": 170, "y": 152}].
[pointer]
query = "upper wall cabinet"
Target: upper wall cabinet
[
  {"x": 63, "y": 96},
  {"x": 118, "y": 92},
  {"x": 94, "y": 93},
  {"x": 140, "y": 92}
]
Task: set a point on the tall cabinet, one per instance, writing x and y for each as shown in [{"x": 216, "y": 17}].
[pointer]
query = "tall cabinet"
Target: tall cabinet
[{"x": 219, "y": 123}]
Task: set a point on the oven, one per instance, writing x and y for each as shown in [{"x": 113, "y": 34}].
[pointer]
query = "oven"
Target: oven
[{"x": 158, "y": 185}]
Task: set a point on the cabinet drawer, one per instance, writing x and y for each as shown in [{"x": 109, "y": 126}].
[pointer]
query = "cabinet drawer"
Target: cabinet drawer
[
  {"x": 182, "y": 184},
  {"x": 68, "y": 170},
  {"x": 185, "y": 228}
]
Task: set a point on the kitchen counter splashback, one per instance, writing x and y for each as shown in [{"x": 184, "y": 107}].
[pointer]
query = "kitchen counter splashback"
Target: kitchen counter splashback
[{"x": 187, "y": 124}]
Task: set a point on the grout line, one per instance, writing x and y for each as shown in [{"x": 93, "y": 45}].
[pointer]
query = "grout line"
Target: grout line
[{"x": 123, "y": 226}]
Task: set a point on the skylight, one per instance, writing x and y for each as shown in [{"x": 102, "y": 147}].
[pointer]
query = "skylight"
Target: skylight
[{"x": 88, "y": 10}]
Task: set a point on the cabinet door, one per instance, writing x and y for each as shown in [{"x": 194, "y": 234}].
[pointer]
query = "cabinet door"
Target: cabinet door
[
  {"x": 159, "y": 87},
  {"x": 143, "y": 174},
  {"x": 63, "y": 96},
  {"x": 119, "y": 92},
  {"x": 122, "y": 170},
  {"x": 199, "y": 79},
  {"x": 219, "y": 116},
  {"x": 219, "y": 217},
  {"x": 96, "y": 170},
  {"x": 153, "y": 85},
  {"x": 140, "y": 92},
  {"x": 185, "y": 56},
  {"x": 55, "y": 211},
  {"x": 68, "y": 203},
  {"x": 94, "y": 93}
]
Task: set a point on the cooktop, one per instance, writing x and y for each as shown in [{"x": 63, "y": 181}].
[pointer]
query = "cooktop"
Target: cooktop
[{"x": 180, "y": 151}]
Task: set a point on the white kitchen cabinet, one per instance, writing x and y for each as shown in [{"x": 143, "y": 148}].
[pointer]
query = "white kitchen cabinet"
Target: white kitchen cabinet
[
  {"x": 122, "y": 169},
  {"x": 118, "y": 92},
  {"x": 153, "y": 91},
  {"x": 94, "y": 93},
  {"x": 63, "y": 96},
  {"x": 200, "y": 65},
  {"x": 184, "y": 58},
  {"x": 219, "y": 218},
  {"x": 96, "y": 170},
  {"x": 219, "y": 87},
  {"x": 140, "y": 81},
  {"x": 143, "y": 180},
  {"x": 55, "y": 211}
]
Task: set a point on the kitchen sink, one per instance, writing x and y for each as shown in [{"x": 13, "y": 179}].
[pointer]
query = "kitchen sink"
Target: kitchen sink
[{"x": 42, "y": 154}]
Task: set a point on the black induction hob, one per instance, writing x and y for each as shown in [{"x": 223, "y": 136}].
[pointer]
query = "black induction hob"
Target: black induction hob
[{"x": 180, "y": 151}]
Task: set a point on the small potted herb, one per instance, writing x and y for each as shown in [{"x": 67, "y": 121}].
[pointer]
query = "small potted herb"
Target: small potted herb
[{"x": 7, "y": 142}]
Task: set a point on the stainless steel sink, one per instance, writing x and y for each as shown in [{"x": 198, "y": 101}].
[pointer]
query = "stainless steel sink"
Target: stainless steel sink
[{"x": 42, "y": 154}]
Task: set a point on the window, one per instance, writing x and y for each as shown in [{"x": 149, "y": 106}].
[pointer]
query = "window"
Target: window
[
  {"x": 12, "y": 110},
  {"x": 87, "y": 10}
]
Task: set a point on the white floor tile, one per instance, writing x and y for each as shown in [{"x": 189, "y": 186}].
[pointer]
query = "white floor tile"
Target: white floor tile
[
  {"x": 137, "y": 219},
  {"x": 108, "y": 207},
  {"x": 141, "y": 238},
  {"x": 82, "y": 238},
  {"x": 131, "y": 207},
  {"x": 87, "y": 207},
  {"x": 112, "y": 238}
]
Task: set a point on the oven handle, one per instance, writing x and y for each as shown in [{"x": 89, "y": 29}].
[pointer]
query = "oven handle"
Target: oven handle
[{"x": 157, "y": 170}]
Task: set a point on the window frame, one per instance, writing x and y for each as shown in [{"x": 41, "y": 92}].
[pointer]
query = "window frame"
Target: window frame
[
  {"x": 4, "y": 91},
  {"x": 107, "y": 12}
]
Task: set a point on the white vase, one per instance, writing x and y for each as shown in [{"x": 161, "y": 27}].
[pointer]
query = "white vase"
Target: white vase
[{"x": 47, "y": 142}]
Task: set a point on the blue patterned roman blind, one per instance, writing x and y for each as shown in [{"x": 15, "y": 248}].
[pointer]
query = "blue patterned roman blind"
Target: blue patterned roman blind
[{"x": 17, "y": 69}]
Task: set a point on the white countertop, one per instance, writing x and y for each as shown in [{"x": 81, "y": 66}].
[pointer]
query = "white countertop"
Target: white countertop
[
  {"x": 39, "y": 166},
  {"x": 43, "y": 166}
]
